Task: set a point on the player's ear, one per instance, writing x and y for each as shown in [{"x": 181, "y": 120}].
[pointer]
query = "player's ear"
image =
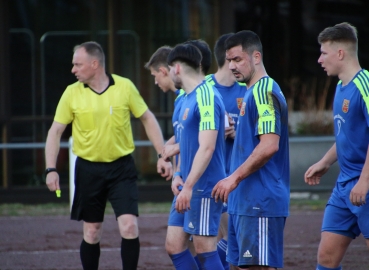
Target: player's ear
[
  {"x": 341, "y": 54},
  {"x": 163, "y": 70},
  {"x": 257, "y": 57}
]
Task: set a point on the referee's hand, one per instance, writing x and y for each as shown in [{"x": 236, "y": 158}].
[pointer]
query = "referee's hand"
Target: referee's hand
[{"x": 52, "y": 181}]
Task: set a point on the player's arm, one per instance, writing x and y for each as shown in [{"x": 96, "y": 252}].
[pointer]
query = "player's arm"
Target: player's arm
[
  {"x": 154, "y": 134},
  {"x": 267, "y": 147},
  {"x": 360, "y": 190},
  {"x": 317, "y": 170},
  {"x": 171, "y": 148},
  {"x": 52, "y": 148},
  {"x": 207, "y": 141}
]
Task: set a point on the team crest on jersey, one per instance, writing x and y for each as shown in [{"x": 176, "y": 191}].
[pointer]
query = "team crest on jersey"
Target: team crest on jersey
[
  {"x": 185, "y": 114},
  {"x": 239, "y": 102},
  {"x": 243, "y": 108},
  {"x": 345, "y": 105}
]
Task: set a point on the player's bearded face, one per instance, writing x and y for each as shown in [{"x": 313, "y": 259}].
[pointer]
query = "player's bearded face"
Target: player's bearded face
[{"x": 241, "y": 64}]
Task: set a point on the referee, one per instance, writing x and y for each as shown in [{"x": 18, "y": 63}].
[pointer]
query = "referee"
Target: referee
[{"x": 99, "y": 106}]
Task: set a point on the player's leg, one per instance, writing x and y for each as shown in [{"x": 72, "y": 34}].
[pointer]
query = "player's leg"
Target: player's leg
[
  {"x": 176, "y": 242},
  {"x": 202, "y": 221},
  {"x": 332, "y": 248},
  {"x": 339, "y": 227},
  {"x": 90, "y": 209},
  {"x": 223, "y": 237},
  {"x": 123, "y": 196}
]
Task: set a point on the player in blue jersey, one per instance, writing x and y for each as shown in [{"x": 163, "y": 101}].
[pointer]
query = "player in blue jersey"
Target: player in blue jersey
[
  {"x": 232, "y": 93},
  {"x": 257, "y": 191},
  {"x": 201, "y": 137},
  {"x": 346, "y": 214}
]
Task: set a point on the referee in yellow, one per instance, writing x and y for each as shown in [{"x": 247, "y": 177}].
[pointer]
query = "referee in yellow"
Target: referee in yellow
[{"x": 99, "y": 106}]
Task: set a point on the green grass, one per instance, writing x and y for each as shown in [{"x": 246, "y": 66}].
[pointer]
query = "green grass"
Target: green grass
[{"x": 54, "y": 209}]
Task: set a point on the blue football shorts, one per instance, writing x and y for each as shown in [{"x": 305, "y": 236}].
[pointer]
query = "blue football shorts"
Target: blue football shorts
[
  {"x": 204, "y": 216},
  {"x": 255, "y": 241},
  {"x": 342, "y": 217}
]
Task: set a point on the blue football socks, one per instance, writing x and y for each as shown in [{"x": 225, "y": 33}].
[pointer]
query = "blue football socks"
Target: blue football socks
[
  {"x": 319, "y": 267},
  {"x": 210, "y": 261},
  {"x": 184, "y": 261},
  {"x": 222, "y": 251}
]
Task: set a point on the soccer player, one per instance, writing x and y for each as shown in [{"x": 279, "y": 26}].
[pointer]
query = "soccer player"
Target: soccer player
[
  {"x": 257, "y": 191},
  {"x": 99, "y": 107},
  {"x": 232, "y": 93},
  {"x": 346, "y": 214},
  {"x": 201, "y": 137}
]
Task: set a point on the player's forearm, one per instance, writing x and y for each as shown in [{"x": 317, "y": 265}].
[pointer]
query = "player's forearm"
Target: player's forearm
[
  {"x": 262, "y": 153},
  {"x": 199, "y": 165},
  {"x": 364, "y": 176},
  {"x": 330, "y": 157}
]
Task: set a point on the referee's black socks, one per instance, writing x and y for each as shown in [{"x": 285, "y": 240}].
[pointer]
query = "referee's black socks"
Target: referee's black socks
[
  {"x": 130, "y": 251},
  {"x": 90, "y": 254}
]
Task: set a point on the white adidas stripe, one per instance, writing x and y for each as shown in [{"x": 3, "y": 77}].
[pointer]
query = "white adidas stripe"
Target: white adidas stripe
[
  {"x": 263, "y": 241},
  {"x": 204, "y": 216}
]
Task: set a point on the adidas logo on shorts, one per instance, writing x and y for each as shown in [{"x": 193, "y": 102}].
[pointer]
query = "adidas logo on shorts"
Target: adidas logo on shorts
[
  {"x": 190, "y": 225},
  {"x": 247, "y": 254}
]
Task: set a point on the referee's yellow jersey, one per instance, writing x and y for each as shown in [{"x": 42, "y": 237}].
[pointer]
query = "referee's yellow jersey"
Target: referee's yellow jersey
[{"x": 101, "y": 126}]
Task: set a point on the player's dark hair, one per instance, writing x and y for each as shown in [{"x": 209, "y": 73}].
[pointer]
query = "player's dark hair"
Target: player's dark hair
[
  {"x": 185, "y": 53},
  {"x": 159, "y": 58},
  {"x": 94, "y": 49},
  {"x": 342, "y": 32},
  {"x": 205, "y": 52},
  {"x": 249, "y": 41},
  {"x": 220, "y": 50}
]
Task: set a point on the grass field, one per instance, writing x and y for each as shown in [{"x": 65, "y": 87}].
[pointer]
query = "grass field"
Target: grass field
[{"x": 54, "y": 209}]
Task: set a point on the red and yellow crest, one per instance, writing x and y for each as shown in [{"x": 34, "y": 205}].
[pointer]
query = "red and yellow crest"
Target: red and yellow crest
[
  {"x": 243, "y": 108},
  {"x": 185, "y": 114},
  {"x": 239, "y": 102},
  {"x": 345, "y": 105}
]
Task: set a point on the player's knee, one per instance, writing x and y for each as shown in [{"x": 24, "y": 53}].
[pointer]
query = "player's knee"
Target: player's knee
[
  {"x": 327, "y": 258},
  {"x": 174, "y": 247}
]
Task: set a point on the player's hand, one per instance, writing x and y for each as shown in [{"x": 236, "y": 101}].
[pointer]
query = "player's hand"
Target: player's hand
[
  {"x": 183, "y": 200},
  {"x": 165, "y": 169},
  {"x": 359, "y": 192},
  {"x": 314, "y": 173},
  {"x": 52, "y": 181},
  {"x": 170, "y": 150},
  {"x": 223, "y": 188},
  {"x": 176, "y": 183},
  {"x": 230, "y": 132}
]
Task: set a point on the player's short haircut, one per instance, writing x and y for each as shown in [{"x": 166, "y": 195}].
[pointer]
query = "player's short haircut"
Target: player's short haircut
[
  {"x": 185, "y": 53},
  {"x": 249, "y": 41},
  {"x": 220, "y": 50},
  {"x": 342, "y": 32},
  {"x": 205, "y": 52},
  {"x": 93, "y": 49},
  {"x": 159, "y": 58}
]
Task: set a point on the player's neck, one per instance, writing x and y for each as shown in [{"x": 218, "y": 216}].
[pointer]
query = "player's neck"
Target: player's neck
[
  {"x": 189, "y": 83},
  {"x": 224, "y": 76},
  {"x": 348, "y": 72},
  {"x": 259, "y": 73}
]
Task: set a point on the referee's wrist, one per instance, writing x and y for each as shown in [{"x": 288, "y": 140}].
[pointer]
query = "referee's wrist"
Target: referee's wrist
[{"x": 48, "y": 170}]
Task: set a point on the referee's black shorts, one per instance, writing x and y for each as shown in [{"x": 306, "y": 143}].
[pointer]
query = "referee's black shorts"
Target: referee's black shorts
[{"x": 97, "y": 182}]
